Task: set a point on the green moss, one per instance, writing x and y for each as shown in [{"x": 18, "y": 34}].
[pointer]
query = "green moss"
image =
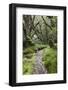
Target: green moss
[
  {"x": 50, "y": 60},
  {"x": 28, "y": 56},
  {"x": 28, "y": 65}
]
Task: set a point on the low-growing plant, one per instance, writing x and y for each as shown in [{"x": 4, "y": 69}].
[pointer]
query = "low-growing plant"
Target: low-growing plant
[
  {"x": 28, "y": 50},
  {"x": 28, "y": 65},
  {"x": 29, "y": 56},
  {"x": 50, "y": 60}
]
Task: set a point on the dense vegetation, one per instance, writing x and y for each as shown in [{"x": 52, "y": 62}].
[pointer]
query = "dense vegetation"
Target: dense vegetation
[{"x": 39, "y": 33}]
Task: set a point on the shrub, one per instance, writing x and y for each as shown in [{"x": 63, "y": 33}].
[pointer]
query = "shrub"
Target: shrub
[
  {"x": 28, "y": 50},
  {"x": 39, "y": 47},
  {"x": 29, "y": 56},
  {"x": 51, "y": 43},
  {"x": 28, "y": 42}
]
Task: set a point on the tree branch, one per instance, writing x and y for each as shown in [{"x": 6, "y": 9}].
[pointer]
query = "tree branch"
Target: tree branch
[{"x": 46, "y": 23}]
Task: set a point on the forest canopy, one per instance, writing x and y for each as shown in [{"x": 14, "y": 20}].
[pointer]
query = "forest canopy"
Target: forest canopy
[{"x": 40, "y": 29}]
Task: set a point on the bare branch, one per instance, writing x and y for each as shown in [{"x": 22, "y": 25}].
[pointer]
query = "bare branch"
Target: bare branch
[
  {"x": 33, "y": 19},
  {"x": 36, "y": 25},
  {"x": 46, "y": 23}
]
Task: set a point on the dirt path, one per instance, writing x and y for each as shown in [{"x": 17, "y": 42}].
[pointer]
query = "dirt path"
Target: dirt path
[{"x": 38, "y": 66}]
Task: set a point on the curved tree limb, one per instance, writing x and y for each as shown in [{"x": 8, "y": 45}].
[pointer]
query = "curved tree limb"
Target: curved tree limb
[{"x": 46, "y": 23}]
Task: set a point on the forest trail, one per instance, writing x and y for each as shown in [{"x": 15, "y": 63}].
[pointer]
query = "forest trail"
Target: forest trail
[{"x": 38, "y": 66}]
